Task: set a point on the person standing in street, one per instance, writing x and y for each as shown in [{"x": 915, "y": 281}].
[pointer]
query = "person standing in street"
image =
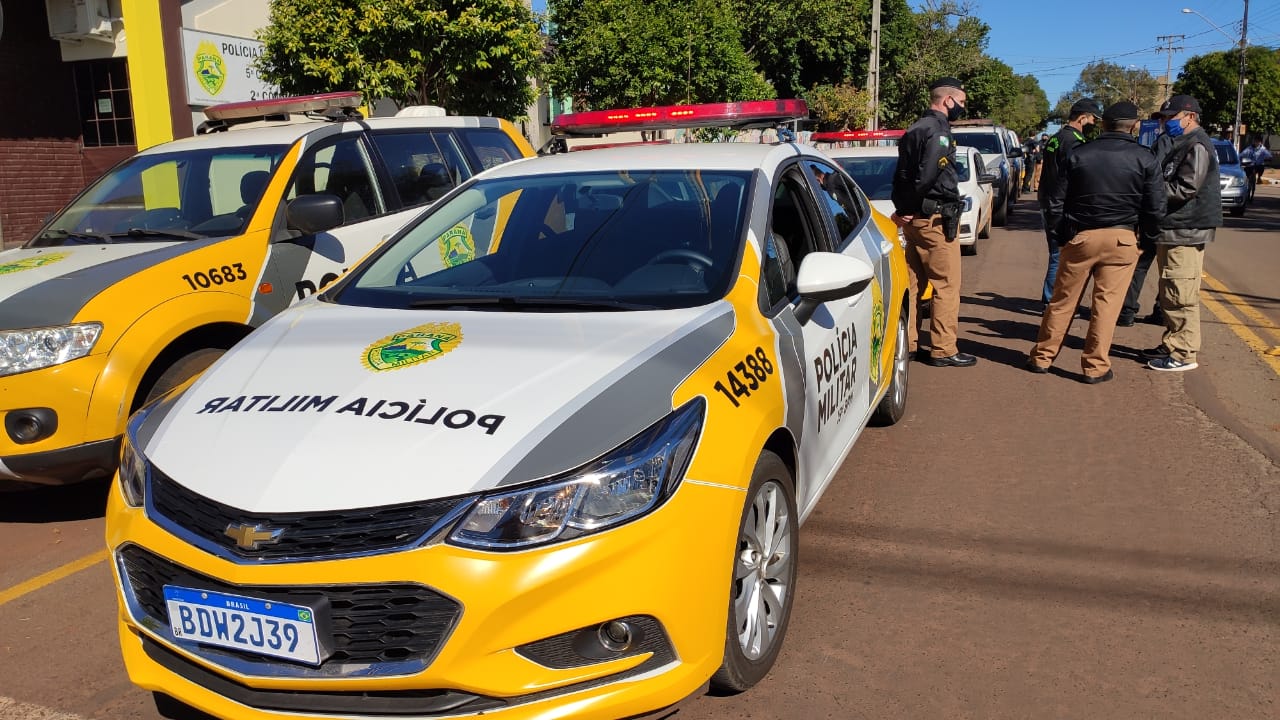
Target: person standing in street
[
  {"x": 1035, "y": 177},
  {"x": 1257, "y": 156},
  {"x": 1112, "y": 191},
  {"x": 926, "y": 200},
  {"x": 1147, "y": 244},
  {"x": 1194, "y": 213},
  {"x": 1031, "y": 158},
  {"x": 1084, "y": 113}
]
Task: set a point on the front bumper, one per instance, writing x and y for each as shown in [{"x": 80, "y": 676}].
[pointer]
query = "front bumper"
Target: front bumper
[
  {"x": 62, "y": 466},
  {"x": 672, "y": 567},
  {"x": 71, "y": 453},
  {"x": 1233, "y": 198}
]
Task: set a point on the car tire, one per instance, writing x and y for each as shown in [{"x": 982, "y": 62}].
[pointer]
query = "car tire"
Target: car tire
[
  {"x": 182, "y": 369},
  {"x": 985, "y": 232},
  {"x": 1237, "y": 212},
  {"x": 894, "y": 403},
  {"x": 1000, "y": 213},
  {"x": 763, "y": 582},
  {"x": 970, "y": 249}
]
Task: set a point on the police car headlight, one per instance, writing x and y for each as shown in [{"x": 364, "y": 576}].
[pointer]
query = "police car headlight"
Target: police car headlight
[
  {"x": 620, "y": 486},
  {"x": 133, "y": 464},
  {"x": 25, "y": 350}
]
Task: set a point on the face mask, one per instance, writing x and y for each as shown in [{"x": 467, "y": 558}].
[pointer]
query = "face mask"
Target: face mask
[
  {"x": 1172, "y": 127},
  {"x": 955, "y": 112}
]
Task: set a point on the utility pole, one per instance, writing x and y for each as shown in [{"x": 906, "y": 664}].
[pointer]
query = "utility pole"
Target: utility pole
[
  {"x": 1168, "y": 66},
  {"x": 873, "y": 71},
  {"x": 1244, "y": 44}
]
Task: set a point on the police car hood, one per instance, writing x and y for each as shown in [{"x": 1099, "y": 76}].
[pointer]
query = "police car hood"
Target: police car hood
[
  {"x": 47, "y": 286},
  {"x": 328, "y": 407}
]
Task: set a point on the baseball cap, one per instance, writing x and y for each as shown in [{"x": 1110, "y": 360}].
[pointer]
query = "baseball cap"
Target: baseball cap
[
  {"x": 1086, "y": 105},
  {"x": 949, "y": 82},
  {"x": 1180, "y": 103},
  {"x": 1123, "y": 110}
]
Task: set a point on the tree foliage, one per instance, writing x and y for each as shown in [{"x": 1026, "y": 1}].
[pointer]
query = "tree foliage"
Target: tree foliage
[
  {"x": 1212, "y": 80},
  {"x": 623, "y": 53},
  {"x": 797, "y": 44},
  {"x": 839, "y": 107},
  {"x": 473, "y": 57},
  {"x": 1109, "y": 83}
]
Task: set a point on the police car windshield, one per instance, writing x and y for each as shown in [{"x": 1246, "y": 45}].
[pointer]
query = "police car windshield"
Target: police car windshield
[
  {"x": 168, "y": 197},
  {"x": 591, "y": 241},
  {"x": 986, "y": 142}
]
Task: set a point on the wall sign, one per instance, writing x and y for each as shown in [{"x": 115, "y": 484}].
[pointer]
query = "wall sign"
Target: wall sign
[{"x": 219, "y": 69}]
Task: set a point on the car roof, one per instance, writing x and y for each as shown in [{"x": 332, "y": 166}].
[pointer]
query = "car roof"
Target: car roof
[
  {"x": 675, "y": 156},
  {"x": 286, "y": 132},
  {"x": 874, "y": 151}
]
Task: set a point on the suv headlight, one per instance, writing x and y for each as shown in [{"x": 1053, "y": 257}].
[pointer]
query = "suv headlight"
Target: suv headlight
[
  {"x": 1236, "y": 181},
  {"x": 968, "y": 204},
  {"x": 133, "y": 464},
  {"x": 25, "y": 350},
  {"x": 620, "y": 486}
]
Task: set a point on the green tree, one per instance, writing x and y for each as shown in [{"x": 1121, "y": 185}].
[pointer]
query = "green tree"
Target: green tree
[
  {"x": 624, "y": 53},
  {"x": 1212, "y": 80},
  {"x": 798, "y": 44},
  {"x": 1109, "y": 83},
  {"x": 1030, "y": 110},
  {"x": 472, "y": 57},
  {"x": 946, "y": 40},
  {"x": 839, "y": 107}
]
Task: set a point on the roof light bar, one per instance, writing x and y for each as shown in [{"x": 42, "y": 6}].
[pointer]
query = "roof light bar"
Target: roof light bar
[
  {"x": 285, "y": 105},
  {"x": 762, "y": 113},
  {"x": 846, "y": 135}
]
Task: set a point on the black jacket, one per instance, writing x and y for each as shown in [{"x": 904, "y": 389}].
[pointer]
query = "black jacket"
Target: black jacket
[
  {"x": 1056, "y": 152},
  {"x": 1111, "y": 182},
  {"x": 926, "y": 165},
  {"x": 1195, "y": 192}
]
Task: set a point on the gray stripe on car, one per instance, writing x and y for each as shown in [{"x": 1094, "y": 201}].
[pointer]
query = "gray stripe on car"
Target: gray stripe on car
[
  {"x": 791, "y": 356},
  {"x": 617, "y": 407},
  {"x": 58, "y": 300}
]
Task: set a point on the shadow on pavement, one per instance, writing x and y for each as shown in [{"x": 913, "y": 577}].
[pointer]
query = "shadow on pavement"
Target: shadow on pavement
[{"x": 80, "y": 501}]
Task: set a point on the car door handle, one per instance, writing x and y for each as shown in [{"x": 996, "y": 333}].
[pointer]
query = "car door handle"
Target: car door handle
[{"x": 886, "y": 246}]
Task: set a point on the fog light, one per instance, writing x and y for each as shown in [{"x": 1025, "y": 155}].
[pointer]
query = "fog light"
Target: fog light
[
  {"x": 615, "y": 635},
  {"x": 30, "y": 424}
]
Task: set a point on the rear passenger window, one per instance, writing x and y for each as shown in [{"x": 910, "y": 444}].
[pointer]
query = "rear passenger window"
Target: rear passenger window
[
  {"x": 490, "y": 147},
  {"x": 424, "y": 166}
]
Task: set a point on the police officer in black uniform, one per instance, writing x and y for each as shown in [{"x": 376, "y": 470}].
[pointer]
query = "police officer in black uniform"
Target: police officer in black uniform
[
  {"x": 1084, "y": 113},
  {"x": 926, "y": 200},
  {"x": 1112, "y": 191}
]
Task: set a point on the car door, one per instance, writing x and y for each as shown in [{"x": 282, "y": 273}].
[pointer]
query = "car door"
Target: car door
[{"x": 832, "y": 344}]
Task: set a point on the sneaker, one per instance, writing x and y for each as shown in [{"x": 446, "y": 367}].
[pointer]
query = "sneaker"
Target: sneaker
[
  {"x": 1170, "y": 364},
  {"x": 1159, "y": 351}
]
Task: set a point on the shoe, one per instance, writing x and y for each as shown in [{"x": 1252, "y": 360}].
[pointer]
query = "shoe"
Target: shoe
[
  {"x": 1159, "y": 351},
  {"x": 1125, "y": 321},
  {"x": 922, "y": 355},
  {"x": 1170, "y": 364},
  {"x": 1095, "y": 379},
  {"x": 1031, "y": 366},
  {"x": 1155, "y": 318},
  {"x": 958, "y": 360}
]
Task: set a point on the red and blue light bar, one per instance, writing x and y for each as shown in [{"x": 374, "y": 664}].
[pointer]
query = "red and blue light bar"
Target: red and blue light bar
[
  {"x": 754, "y": 113},
  {"x": 855, "y": 135}
]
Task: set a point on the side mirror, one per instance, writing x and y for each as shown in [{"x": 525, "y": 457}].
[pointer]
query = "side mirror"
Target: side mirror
[
  {"x": 826, "y": 276},
  {"x": 1015, "y": 152},
  {"x": 315, "y": 213},
  {"x": 1245, "y": 162},
  {"x": 986, "y": 178}
]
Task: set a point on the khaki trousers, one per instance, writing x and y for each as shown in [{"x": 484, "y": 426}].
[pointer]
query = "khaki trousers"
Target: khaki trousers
[
  {"x": 1035, "y": 176},
  {"x": 931, "y": 258},
  {"x": 1107, "y": 255},
  {"x": 1179, "y": 296}
]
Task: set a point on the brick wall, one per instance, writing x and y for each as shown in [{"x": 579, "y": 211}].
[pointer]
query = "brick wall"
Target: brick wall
[{"x": 37, "y": 177}]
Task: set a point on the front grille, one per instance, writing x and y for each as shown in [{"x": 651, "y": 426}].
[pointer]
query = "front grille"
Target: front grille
[
  {"x": 302, "y": 535},
  {"x": 388, "y": 623}
]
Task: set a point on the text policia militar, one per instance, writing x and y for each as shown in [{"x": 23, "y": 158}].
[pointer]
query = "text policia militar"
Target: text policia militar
[
  {"x": 416, "y": 412},
  {"x": 836, "y": 370}
]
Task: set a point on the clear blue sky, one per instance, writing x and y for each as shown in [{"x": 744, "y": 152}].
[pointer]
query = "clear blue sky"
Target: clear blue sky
[{"x": 1054, "y": 40}]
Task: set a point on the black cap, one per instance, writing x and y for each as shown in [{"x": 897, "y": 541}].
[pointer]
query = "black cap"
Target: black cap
[
  {"x": 1085, "y": 105},
  {"x": 1123, "y": 110},
  {"x": 1180, "y": 103},
  {"x": 946, "y": 82}
]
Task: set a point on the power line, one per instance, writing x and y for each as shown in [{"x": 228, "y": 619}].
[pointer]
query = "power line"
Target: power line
[{"x": 1168, "y": 67}]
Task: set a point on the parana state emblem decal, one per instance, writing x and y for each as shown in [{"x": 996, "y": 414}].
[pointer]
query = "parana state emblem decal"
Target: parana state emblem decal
[{"x": 412, "y": 346}]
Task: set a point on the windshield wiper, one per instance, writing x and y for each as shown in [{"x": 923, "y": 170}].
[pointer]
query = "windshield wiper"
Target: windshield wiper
[
  {"x": 505, "y": 302},
  {"x": 61, "y": 234},
  {"x": 149, "y": 232}
]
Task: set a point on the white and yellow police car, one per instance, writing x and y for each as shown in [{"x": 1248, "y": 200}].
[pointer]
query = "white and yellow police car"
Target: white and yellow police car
[
  {"x": 177, "y": 253},
  {"x": 544, "y": 453}
]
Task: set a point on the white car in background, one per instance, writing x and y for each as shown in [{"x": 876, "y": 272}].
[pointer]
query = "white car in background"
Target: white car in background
[{"x": 872, "y": 168}]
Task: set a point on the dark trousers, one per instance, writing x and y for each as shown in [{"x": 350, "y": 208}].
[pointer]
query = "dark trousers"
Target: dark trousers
[{"x": 1131, "y": 304}]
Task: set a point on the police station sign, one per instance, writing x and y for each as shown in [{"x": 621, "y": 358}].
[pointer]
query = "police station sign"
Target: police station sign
[{"x": 219, "y": 69}]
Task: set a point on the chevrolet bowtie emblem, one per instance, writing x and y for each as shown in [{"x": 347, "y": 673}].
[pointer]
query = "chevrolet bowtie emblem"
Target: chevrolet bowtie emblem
[{"x": 250, "y": 537}]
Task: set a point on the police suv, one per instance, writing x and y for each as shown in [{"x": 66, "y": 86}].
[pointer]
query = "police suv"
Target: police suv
[
  {"x": 544, "y": 453},
  {"x": 177, "y": 253}
]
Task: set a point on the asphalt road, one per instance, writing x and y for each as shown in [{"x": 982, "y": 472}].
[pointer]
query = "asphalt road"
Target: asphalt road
[{"x": 1018, "y": 546}]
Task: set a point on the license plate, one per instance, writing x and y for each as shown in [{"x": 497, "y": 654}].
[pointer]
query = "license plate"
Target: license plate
[{"x": 253, "y": 625}]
